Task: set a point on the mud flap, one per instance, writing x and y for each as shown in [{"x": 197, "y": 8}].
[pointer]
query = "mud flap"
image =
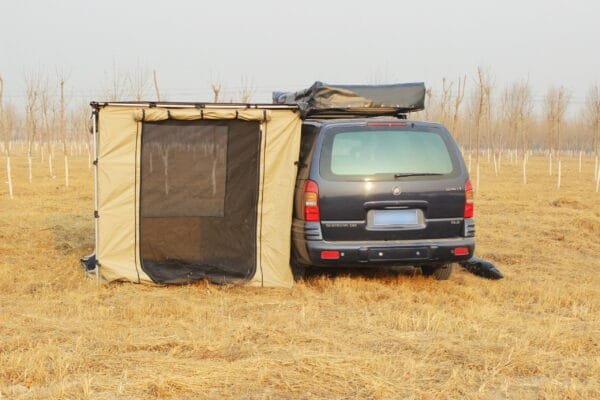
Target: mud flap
[{"x": 480, "y": 267}]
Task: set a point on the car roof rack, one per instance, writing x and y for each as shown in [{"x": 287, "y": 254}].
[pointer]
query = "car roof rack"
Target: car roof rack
[{"x": 347, "y": 113}]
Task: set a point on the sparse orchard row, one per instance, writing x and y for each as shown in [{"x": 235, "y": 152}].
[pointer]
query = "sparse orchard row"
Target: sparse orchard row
[
  {"x": 508, "y": 126},
  {"x": 501, "y": 125},
  {"x": 46, "y": 124}
]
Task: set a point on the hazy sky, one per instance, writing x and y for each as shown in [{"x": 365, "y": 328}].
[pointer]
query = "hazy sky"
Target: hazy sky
[{"x": 289, "y": 45}]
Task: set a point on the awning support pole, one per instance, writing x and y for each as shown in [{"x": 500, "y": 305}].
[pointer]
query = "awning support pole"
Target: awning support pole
[{"x": 96, "y": 201}]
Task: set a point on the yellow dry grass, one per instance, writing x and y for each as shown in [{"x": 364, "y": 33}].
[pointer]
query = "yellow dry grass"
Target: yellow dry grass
[{"x": 382, "y": 335}]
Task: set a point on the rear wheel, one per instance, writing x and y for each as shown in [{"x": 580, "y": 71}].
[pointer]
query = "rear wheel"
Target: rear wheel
[
  {"x": 439, "y": 272},
  {"x": 298, "y": 271}
]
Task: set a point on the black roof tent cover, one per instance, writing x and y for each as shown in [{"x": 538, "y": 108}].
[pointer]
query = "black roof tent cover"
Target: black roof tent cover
[{"x": 327, "y": 99}]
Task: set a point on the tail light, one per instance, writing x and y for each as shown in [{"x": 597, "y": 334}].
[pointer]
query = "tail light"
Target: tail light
[
  {"x": 330, "y": 255},
  {"x": 460, "y": 251},
  {"x": 468, "y": 200},
  {"x": 311, "y": 202}
]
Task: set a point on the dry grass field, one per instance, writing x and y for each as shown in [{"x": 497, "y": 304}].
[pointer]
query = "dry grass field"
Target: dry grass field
[{"x": 343, "y": 335}]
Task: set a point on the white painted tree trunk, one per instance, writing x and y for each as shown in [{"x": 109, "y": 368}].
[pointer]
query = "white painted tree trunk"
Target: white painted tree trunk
[
  {"x": 469, "y": 161},
  {"x": 495, "y": 165},
  {"x": 499, "y": 161},
  {"x": 477, "y": 179},
  {"x": 597, "y": 179},
  {"x": 550, "y": 165},
  {"x": 525, "y": 168},
  {"x": 29, "y": 166},
  {"x": 66, "y": 170},
  {"x": 50, "y": 165},
  {"x": 580, "y": 154},
  {"x": 559, "y": 174},
  {"x": 9, "y": 177}
]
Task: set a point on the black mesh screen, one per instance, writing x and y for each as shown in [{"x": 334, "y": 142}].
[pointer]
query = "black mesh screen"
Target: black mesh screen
[{"x": 198, "y": 199}]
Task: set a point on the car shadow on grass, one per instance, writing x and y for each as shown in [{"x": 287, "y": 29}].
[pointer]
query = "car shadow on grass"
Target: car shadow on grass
[{"x": 379, "y": 273}]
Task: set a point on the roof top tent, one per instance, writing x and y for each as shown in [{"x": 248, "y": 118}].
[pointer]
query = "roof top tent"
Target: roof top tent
[
  {"x": 185, "y": 192},
  {"x": 323, "y": 100}
]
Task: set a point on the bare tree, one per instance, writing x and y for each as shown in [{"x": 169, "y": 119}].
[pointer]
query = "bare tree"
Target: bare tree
[
  {"x": 1, "y": 104},
  {"x": 155, "y": 85},
  {"x": 47, "y": 126},
  {"x": 114, "y": 87},
  {"x": 216, "y": 85},
  {"x": 460, "y": 94},
  {"x": 62, "y": 124},
  {"x": 428, "y": 102},
  {"x": 32, "y": 89},
  {"x": 6, "y": 128},
  {"x": 481, "y": 97},
  {"x": 555, "y": 106},
  {"x": 216, "y": 89},
  {"x": 517, "y": 105},
  {"x": 79, "y": 121},
  {"x": 139, "y": 83},
  {"x": 246, "y": 91},
  {"x": 1, "y": 94},
  {"x": 446, "y": 95},
  {"x": 509, "y": 109},
  {"x": 592, "y": 114},
  {"x": 380, "y": 75}
]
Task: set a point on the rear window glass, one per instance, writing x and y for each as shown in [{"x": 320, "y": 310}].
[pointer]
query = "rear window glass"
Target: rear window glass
[{"x": 385, "y": 153}]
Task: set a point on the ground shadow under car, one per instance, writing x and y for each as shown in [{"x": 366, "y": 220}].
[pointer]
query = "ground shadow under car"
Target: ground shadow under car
[{"x": 356, "y": 272}]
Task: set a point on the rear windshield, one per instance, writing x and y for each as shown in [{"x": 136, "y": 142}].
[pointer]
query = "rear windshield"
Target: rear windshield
[{"x": 385, "y": 154}]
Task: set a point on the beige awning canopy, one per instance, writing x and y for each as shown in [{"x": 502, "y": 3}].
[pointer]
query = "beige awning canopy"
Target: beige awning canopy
[{"x": 188, "y": 192}]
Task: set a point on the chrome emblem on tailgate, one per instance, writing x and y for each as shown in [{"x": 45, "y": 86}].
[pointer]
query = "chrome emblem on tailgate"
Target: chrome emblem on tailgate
[{"x": 396, "y": 191}]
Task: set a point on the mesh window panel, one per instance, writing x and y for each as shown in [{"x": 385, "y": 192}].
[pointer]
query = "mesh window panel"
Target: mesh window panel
[{"x": 198, "y": 200}]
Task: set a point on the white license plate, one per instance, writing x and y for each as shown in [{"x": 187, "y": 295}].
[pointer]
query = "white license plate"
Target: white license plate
[{"x": 382, "y": 218}]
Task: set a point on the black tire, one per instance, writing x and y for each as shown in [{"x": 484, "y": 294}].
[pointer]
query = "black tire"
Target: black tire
[
  {"x": 439, "y": 272},
  {"x": 298, "y": 271}
]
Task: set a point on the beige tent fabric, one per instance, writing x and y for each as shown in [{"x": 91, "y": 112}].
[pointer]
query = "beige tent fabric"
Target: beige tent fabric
[
  {"x": 119, "y": 136},
  {"x": 117, "y": 139},
  {"x": 281, "y": 144}
]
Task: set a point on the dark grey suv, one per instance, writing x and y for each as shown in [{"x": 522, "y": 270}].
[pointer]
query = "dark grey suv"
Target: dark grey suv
[{"x": 377, "y": 192}]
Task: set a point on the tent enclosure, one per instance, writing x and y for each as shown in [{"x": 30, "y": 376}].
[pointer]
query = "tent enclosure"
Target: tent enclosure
[
  {"x": 194, "y": 191},
  {"x": 189, "y": 191}
]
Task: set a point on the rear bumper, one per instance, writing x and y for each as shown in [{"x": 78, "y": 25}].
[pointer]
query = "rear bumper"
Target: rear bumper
[{"x": 307, "y": 251}]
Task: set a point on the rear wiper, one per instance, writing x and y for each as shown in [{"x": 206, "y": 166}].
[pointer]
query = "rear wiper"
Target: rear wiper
[{"x": 402, "y": 175}]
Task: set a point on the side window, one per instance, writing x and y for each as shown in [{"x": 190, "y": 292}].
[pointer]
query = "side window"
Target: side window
[{"x": 307, "y": 139}]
